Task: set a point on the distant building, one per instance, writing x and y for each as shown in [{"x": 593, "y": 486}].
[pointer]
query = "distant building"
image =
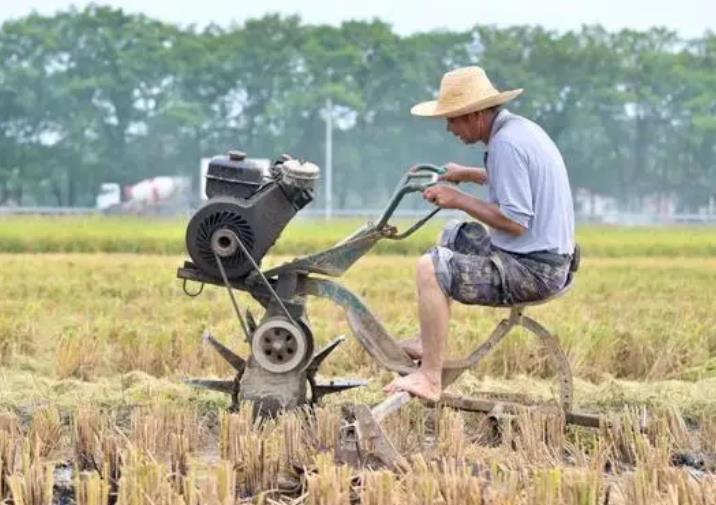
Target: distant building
[
  {"x": 646, "y": 209},
  {"x": 592, "y": 205}
]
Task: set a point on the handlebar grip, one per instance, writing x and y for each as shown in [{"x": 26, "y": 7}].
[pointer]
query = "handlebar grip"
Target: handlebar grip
[
  {"x": 427, "y": 167},
  {"x": 409, "y": 184},
  {"x": 438, "y": 169},
  {"x": 422, "y": 171}
]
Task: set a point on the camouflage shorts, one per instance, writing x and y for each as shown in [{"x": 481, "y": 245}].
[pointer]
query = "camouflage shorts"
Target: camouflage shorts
[{"x": 471, "y": 270}]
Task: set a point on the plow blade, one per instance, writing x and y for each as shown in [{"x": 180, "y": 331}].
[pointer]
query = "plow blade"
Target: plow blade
[
  {"x": 335, "y": 386},
  {"x": 236, "y": 361},
  {"x": 321, "y": 355}
]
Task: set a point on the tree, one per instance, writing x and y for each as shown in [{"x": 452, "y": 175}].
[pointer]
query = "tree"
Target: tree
[{"x": 95, "y": 95}]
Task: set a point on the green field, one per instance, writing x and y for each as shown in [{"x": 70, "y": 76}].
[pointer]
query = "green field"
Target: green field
[
  {"x": 166, "y": 236},
  {"x": 94, "y": 347}
]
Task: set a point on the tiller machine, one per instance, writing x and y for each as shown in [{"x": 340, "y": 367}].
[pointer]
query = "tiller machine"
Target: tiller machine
[{"x": 246, "y": 211}]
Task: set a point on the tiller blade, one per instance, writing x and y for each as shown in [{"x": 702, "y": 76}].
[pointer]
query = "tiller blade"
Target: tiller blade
[{"x": 262, "y": 380}]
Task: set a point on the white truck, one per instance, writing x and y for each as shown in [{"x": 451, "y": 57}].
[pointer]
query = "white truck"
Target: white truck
[{"x": 144, "y": 195}]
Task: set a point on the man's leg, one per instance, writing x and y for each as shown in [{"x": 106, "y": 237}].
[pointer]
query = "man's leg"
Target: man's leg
[
  {"x": 434, "y": 314},
  {"x": 465, "y": 237},
  {"x": 413, "y": 347}
]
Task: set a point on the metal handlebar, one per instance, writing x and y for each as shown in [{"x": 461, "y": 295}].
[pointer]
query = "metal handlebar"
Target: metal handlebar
[
  {"x": 430, "y": 174},
  {"x": 427, "y": 167}
]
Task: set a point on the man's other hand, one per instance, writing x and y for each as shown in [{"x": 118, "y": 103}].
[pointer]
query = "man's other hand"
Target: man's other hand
[{"x": 445, "y": 197}]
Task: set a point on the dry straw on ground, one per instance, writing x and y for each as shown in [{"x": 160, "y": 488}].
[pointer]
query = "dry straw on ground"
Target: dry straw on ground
[
  {"x": 637, "y": 331},
  {"x": 292, "y": 459}
]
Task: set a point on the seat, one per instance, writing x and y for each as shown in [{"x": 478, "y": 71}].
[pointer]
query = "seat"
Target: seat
[
  {"x": 567, "y": 286},
  {"x": 573, "y": 268},
  {"x": 453, "y": 368}
]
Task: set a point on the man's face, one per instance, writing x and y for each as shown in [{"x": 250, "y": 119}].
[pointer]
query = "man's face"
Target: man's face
[{"x": 470, "y": 128}]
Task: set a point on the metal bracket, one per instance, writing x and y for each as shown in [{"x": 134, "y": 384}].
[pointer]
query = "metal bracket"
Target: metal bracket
[{"x": 188, "y": 293}]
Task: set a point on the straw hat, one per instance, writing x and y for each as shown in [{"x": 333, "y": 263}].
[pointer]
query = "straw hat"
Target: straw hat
[{"x": 462, "y": 91}]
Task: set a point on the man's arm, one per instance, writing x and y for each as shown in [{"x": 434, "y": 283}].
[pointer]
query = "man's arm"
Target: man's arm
[
  {"x": 489, "y": 213},
  {"x": 462, "y": 173},
  {"x": 510, "y": 184}
]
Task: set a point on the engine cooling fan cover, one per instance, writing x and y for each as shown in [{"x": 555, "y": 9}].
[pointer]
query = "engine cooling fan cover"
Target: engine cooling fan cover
[{"x": 223, "y": 213}]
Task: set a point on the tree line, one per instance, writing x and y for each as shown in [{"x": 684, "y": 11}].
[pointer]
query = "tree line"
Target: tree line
[{"x": 96, "y": 95}]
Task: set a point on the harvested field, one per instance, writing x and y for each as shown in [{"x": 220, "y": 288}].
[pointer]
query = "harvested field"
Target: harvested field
[
  {"x": 94, "y": 347},
  {"x": 166, "y": 454}
]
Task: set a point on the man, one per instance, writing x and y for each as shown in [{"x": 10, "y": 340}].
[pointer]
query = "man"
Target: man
[{"x": 526, "y": 254}]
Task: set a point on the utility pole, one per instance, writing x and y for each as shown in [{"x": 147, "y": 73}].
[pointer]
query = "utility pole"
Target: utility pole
[{"x": 329, "y": 159}]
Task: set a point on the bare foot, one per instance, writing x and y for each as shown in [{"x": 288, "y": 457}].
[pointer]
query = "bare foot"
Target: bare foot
[
  {"x": 418, "y": 384},
  {"x": 412, "y": 347}
]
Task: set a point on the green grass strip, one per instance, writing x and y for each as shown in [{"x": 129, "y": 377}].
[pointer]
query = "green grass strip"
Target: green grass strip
[{"x": 94, "y": 234}]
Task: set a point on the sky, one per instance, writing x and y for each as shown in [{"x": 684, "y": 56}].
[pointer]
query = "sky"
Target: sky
[{"x": 690, "y": 18}]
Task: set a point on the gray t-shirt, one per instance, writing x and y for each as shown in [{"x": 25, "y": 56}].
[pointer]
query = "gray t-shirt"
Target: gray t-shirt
[{"x": 527, "y": 178}]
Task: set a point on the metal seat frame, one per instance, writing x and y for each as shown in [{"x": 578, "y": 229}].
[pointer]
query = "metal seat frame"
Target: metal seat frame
[
  {"x": 453, "y": 369},
  {"x": 367, "y": 422}
]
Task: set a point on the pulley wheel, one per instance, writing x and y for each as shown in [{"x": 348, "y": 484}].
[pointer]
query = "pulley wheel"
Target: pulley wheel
[
  {"x": 215, "y": 228},
  {"x": 278, "y": 346}
]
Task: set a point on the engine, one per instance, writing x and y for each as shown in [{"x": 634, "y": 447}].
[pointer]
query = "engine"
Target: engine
[{"x": 246, "y": 205}]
